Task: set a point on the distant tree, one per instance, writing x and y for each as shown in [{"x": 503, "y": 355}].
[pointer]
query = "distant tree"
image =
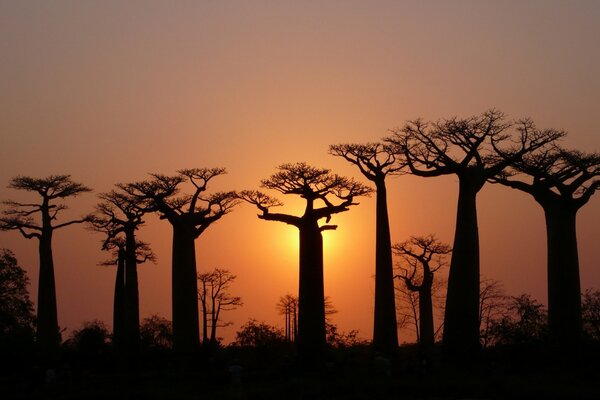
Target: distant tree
[
  {"x": 92, "y": 339},
  {"x": 561, "y": 181},
  {"x": 525, "y": 323},
  {"x": 19, "y": 216},
  {"x": 119, "y": 216},
  {"x": 338, "y": 339},
  {"x": 17, "y": 319},
  {"x": 189, "y": 215},
  {"x": 591, "y": 313},
  {"x": 313, "y": 185},
  {"x": 422, "y": 256},
  {"x": 156, "y": 333},
  {"x": 117, "y": 246},
  {"x": 258, "y": 334},
  {"x": 376, "y": 161},
  {"x": 466, "y": 148},
  {"x": 288, "y": 307},
  {"x": 407, "y": 309},
  {"x": 215, "y": 298},
  {"x": 493, "y": 307}
]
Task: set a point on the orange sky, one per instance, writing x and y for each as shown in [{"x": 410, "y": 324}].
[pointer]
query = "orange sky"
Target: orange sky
[{"x": 108, "y": 91}]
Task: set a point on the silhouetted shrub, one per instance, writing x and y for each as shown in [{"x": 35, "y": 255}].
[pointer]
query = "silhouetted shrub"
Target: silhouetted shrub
[
  {"x": 156, "y": 333},
  {"x": 92, "y": 339},
  {"x": 590, "y": 310},
  {"x": 258, "y": 334}
]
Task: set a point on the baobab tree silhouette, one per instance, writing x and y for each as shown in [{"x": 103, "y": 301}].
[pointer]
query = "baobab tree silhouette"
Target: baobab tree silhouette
[
  {"x": 313, "y": 185},
  {"x": 118, "y": 215},
  {"x": 561, "y": 181},
  {"x": 467, "y": 148},
  {"x": 19, "y": 216},
  {"x": 189, "y": 215},
  {"x": 376, "y": 161},
  {"x": 422, "y": 256}
]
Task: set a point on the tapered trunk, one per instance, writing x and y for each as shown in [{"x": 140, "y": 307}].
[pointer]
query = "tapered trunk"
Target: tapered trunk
[
  {"x": 311, "y": 312},
  {"x": 385, "y": 328},
  {"x": 426, "y": 316},
  {"x": 119, "y": 304},
  {"x": 132, "y": 302},
  {"x": 204, "y": 321},
  {"x": 186, "y": 335},
  {"x": 564, "y": 291},
  {"x": 461, "y": 322},
  {"x": 48, "y": 335},
  {"x": 213, "y": 328}
]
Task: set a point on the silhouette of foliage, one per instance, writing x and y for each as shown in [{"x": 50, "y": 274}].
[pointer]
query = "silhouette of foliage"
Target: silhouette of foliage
[
  {"x": 17, "y": 320},
  {"x": 493, "y": 307},
  {"x": 156, "y": 333},
  {"x": 526, "y": 323},
  {"x": 258, "y": 334},
  {"x": 20, "y": 216},
  {"x": 92, "y": 339},
  {"x": 590, "y": 307}
]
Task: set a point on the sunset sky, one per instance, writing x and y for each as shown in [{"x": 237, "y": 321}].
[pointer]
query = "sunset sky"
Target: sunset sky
[{"x": 110, "y": 91}]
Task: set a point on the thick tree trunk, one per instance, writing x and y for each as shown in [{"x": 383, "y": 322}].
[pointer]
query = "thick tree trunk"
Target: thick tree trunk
[
  {"x": 461, "y": 322},
  {"x": 564, "y": 291},
  {"x": 426, "y": 317},
  {"x": 48, "y": 335},
  {"x": 385, "y": 328},
  {"x": 311, "y": 314},
  {"x": 186, "y": 335},
  {"x": 132, "y": 301},
  {"x": 119, "y": 304}
]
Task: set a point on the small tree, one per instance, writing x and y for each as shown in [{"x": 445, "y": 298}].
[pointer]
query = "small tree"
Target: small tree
[
  {"x": 19, "y": 216},
  {"x": 493, "y": 307},
  {"x": 526, "y": 322},
  {"x": 258, "y": 334},
  {"x": 326, "y": 194},
  {"x": 156, "y": 333},
  {"x": 288, "y": 307},
  {"x": 422, "y": 256},
  {"x": 215, "y": 298},
  {"x": 92, "y": 339}
]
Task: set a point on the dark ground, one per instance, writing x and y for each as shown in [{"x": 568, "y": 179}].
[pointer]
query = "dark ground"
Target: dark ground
[{"x": 355, "y": 373}]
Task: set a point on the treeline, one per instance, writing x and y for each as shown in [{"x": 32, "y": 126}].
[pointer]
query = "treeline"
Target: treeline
[{"x": 486, "y": 148}]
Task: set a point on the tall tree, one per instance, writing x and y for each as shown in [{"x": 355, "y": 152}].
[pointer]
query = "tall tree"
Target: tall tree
[
  {"x": 376, "y": 161},
  {"x": 119, "y": 216},
  {"x": 325, "y": 194},
  {"x": 19, "y": 216},
  {"x": 189, "y": 215},
  {"x": 561, "y": 181},
  {"x": 215, "y": 298},
  {"x": 465, "y": 148},
  {"x": 422, "y": 256}
]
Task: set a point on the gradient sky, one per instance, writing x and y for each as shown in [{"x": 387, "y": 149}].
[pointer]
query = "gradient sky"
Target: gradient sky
[{"x": 109, "y": 91}]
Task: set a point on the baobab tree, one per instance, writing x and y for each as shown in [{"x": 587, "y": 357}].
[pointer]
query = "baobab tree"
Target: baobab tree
[
  {"x": 121, "y": 338},
  {"x": 326, "y": 194},
  {"x": 421, "y": 257},
  {"x": 215, "y": 298},
  {"x": 288, "y": 307},
  {"x": 189, "y": 215},
  {"x": 561, "y": 181},
  {"x": 119, "y": 216},
  {"x": 19, "y": 216},
  {"x": 376, "y": 161},
  {"x": 468, "y": 148}
]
